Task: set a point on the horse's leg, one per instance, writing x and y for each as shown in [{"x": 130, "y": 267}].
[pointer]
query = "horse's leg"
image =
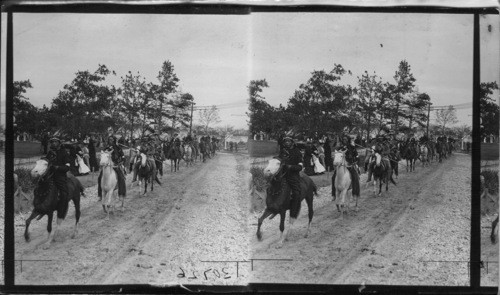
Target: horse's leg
[
  {"x": 309, "y": 201},
  {"x": 342, "y": 203},
  {"x": 380, "y": 186},
  {"x": 76, "y": 202},
  {"x": 50, "y": 216},
  {"x": 338, "y": 199},
  {"x": 282, "y": 229},
  {"x": 33, "y": 215},
  {"x": 356, "y": 198},
  {"x": 261, "y": 219},
  {"x": 494, "y": 231},
  {"x": 123, "y": 202},
  {"x": 106, "y": 204}
]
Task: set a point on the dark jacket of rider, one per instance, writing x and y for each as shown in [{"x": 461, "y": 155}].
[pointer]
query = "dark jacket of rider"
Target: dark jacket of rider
[
  {"x": 60, "y": 162},
  {"x": 293, "y": 161}
]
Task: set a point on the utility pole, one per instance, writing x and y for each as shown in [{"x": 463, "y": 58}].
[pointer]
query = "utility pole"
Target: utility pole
[
  {"x": 428, "y": 118},
  {"x": 173, "y": 121},
  {"x": 191, "y": 123}
]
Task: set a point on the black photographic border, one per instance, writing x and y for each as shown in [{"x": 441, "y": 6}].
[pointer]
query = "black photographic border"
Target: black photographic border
[{"x": 13, "y": 7}]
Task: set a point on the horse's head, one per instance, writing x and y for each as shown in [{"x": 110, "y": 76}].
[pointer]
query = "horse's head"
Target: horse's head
[
  {"x": 41, "y": 168},
  {"x": 338, "y": 158},
  {"x": 273, "y": 167},
  {"x": 105, "y": 159},
  {"x": 378, "y": 159},
  {"x": 142, "y": 158}
]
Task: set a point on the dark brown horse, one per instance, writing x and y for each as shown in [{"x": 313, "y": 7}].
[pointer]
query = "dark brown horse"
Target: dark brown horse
[
  {"x": 174, "y": 152},
  {"x": 441, "y": 150},
  {"x": 278, "y": 199},
  {"x": 410, "y": 154},
  {"x": 146, "y": 170},
  {"x": 46, "y": 200},
  {"x": 382, "y": 172}
]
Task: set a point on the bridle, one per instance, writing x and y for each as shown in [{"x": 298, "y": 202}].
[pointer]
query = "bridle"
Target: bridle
[
  {"x": 281, "y": 170},
  {"x": 343, "y": 162},
  {"x": 48, "y": 173},
  {"x": 109, "y": 162}
]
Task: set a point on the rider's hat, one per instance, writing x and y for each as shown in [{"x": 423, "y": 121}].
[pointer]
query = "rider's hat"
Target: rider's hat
[
  {"x": 287, "y": 138},
  {"x": 55, "y": 138}
]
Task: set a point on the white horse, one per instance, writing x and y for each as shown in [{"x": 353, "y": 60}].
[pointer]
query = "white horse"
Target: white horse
[
  {"x": 342, "y": 183},
  {"x": 424, "y": 155},
  {"x": 382, "y": 173},
  {"x": 109, "y": 183},
  {"x": 188, "y": 155}
]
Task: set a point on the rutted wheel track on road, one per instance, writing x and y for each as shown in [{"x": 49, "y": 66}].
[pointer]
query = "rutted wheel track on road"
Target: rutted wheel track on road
[
  {"x": 110, "y": 241},
  {"x": 335, "y": 244}
]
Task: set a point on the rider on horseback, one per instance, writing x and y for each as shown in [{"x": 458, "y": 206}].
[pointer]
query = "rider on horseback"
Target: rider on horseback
[
  {"x": 292, "y": 158},
  {"x": 382, "y": 148},
  {"x": 117, "y": 157},
  {"x": 351, "y": 157},
  {"x": 60, "y": 160}
]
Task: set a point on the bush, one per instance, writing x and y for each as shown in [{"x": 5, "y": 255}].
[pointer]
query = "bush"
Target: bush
[
  {"x": 26, "y": 181},
  {"x": 259, "y": 180}
]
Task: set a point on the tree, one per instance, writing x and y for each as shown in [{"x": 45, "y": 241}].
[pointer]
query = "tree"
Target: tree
[
  {"x": 209, "y": 116},
  {"x": 462, "y": 130},
  {"x": 168, "y": 85},
  {"x": 416, "y": 111},
  {"x": 24, "y": 112},
  {"x": 489, "y": 109},
  {"x": 260, "y": 112},
  {"x": 405, "y": 82},
  {"x": 445, "y": 117},
  {"x": 82, "y": 105},
  {"x": 321, "y": 104},
  {"x": 132, "y": 95},
  {"x": 180, "y": 104},
  {"x": 370, "y": 98}
]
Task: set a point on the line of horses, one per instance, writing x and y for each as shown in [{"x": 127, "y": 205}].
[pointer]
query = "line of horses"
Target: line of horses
[
  {"x": 146, "y": 168},
  {"x": 278, "y": 199}
]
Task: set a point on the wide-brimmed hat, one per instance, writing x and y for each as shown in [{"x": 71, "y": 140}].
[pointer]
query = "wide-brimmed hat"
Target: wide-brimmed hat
[{"x": 287, "y": 138}]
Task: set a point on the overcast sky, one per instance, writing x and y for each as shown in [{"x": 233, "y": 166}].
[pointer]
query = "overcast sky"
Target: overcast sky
[{"x": 215, "y": 56}]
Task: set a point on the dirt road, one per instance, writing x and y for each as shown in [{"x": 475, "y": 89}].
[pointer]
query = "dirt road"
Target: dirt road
[
  {"x": 394, "y": 239},
  {"x": 196, "y": 214},
  {"x": 196, "y": 229}
]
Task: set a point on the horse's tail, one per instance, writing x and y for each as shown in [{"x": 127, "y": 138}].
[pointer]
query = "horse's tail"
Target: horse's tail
[
  {"x": 315, "y": 189},
  {"x": 392, "y": 179},
  {"x": 157, "y": 180},
  {"x": 81, "y": 189}
]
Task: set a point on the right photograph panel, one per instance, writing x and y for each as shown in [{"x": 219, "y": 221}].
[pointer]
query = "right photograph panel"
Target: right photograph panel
[
  {"x": 360, "y": 131},
  {"x": 489, "y": 107}
]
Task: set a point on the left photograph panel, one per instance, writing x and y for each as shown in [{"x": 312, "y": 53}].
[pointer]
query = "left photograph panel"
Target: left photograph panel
[{"x": 130, "y": 148}]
